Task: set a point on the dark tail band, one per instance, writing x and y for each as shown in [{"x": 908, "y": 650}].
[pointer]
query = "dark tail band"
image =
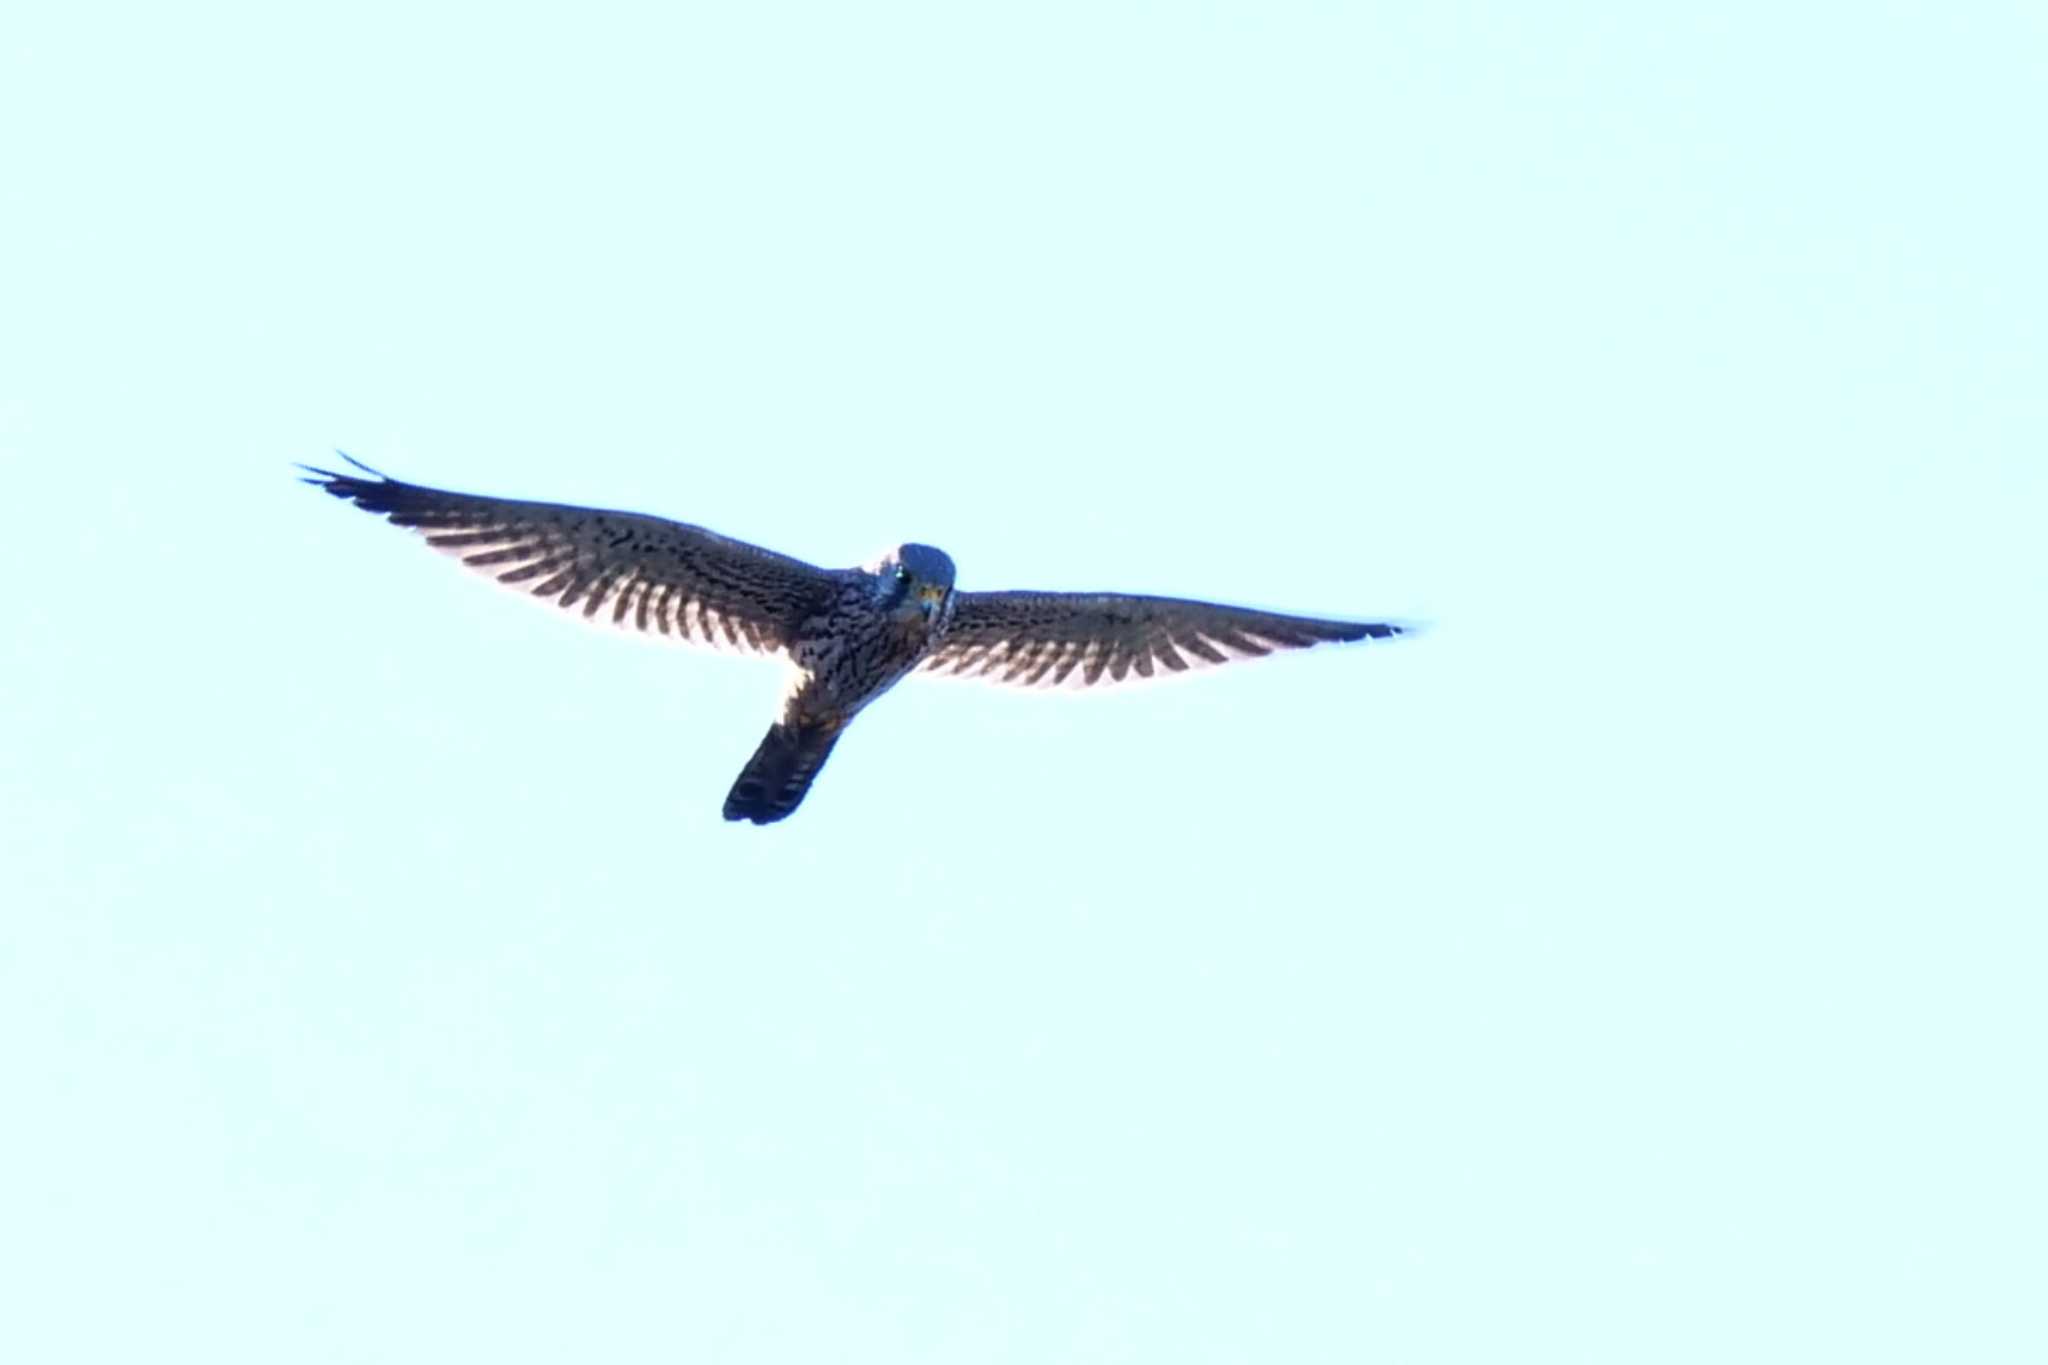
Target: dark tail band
[{"x": 773, "y": 783}]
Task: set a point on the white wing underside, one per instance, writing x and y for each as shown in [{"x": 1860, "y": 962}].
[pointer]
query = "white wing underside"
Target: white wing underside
[
  {"x": 627, "y": 602},
  {"x": 1066, "y": 666}
]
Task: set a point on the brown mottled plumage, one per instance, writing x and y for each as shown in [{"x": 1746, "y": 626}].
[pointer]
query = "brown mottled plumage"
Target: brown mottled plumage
[{"x": 851, "y": 633}]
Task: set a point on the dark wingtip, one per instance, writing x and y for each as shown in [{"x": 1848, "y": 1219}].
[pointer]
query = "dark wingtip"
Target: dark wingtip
[
  {"x": 329, "y": 475},
  {"x": 360, "y": 465},
  {"x": 1375, "y": 630},
  {"x": 349, "y": 487}
]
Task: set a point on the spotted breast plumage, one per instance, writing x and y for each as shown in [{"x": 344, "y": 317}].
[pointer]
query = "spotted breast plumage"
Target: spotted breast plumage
[{"x": 851, "y": 634}]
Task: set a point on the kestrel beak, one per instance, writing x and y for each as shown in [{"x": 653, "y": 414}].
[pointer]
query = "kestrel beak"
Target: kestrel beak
[{"x": 929, "y": 596}]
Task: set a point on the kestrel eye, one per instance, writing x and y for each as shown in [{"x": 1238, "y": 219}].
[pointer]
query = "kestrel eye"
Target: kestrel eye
[{"x": 902, "y": 574}]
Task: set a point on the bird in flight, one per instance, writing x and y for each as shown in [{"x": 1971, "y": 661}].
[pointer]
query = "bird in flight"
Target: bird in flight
[{"x": 852, "y": 634}]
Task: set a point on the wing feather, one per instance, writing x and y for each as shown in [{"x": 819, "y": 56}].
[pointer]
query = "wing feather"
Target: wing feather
[
  {"x": 1053, "y": 639},
  {"x": 662, "y": 578}
]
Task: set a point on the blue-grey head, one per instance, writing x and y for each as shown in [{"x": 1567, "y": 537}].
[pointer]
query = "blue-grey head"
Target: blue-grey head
[{"x": 916, "y": 579}]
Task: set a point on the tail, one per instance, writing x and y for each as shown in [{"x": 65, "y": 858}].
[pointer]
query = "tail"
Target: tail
[{"x": 775, "y": 779}]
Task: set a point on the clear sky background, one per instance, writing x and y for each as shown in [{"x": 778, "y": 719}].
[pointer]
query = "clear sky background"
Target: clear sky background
[{"x": 1645, "y": 964}]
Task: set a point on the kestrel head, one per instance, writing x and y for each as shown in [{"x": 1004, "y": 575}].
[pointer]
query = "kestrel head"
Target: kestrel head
[{"x": 916, "y": 579}]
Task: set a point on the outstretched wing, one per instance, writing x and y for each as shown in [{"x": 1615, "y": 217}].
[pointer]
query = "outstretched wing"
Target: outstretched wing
[
  {"x": 1045, "y": 639},
  {"x": 616, "y": 568}
]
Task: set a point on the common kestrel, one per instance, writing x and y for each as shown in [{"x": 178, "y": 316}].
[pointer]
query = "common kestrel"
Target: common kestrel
[{"x": 851, "y": 633}]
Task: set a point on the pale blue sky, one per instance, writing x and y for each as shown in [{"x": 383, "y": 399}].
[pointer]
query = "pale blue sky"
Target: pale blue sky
[{"x": 1645, "y": 965}]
